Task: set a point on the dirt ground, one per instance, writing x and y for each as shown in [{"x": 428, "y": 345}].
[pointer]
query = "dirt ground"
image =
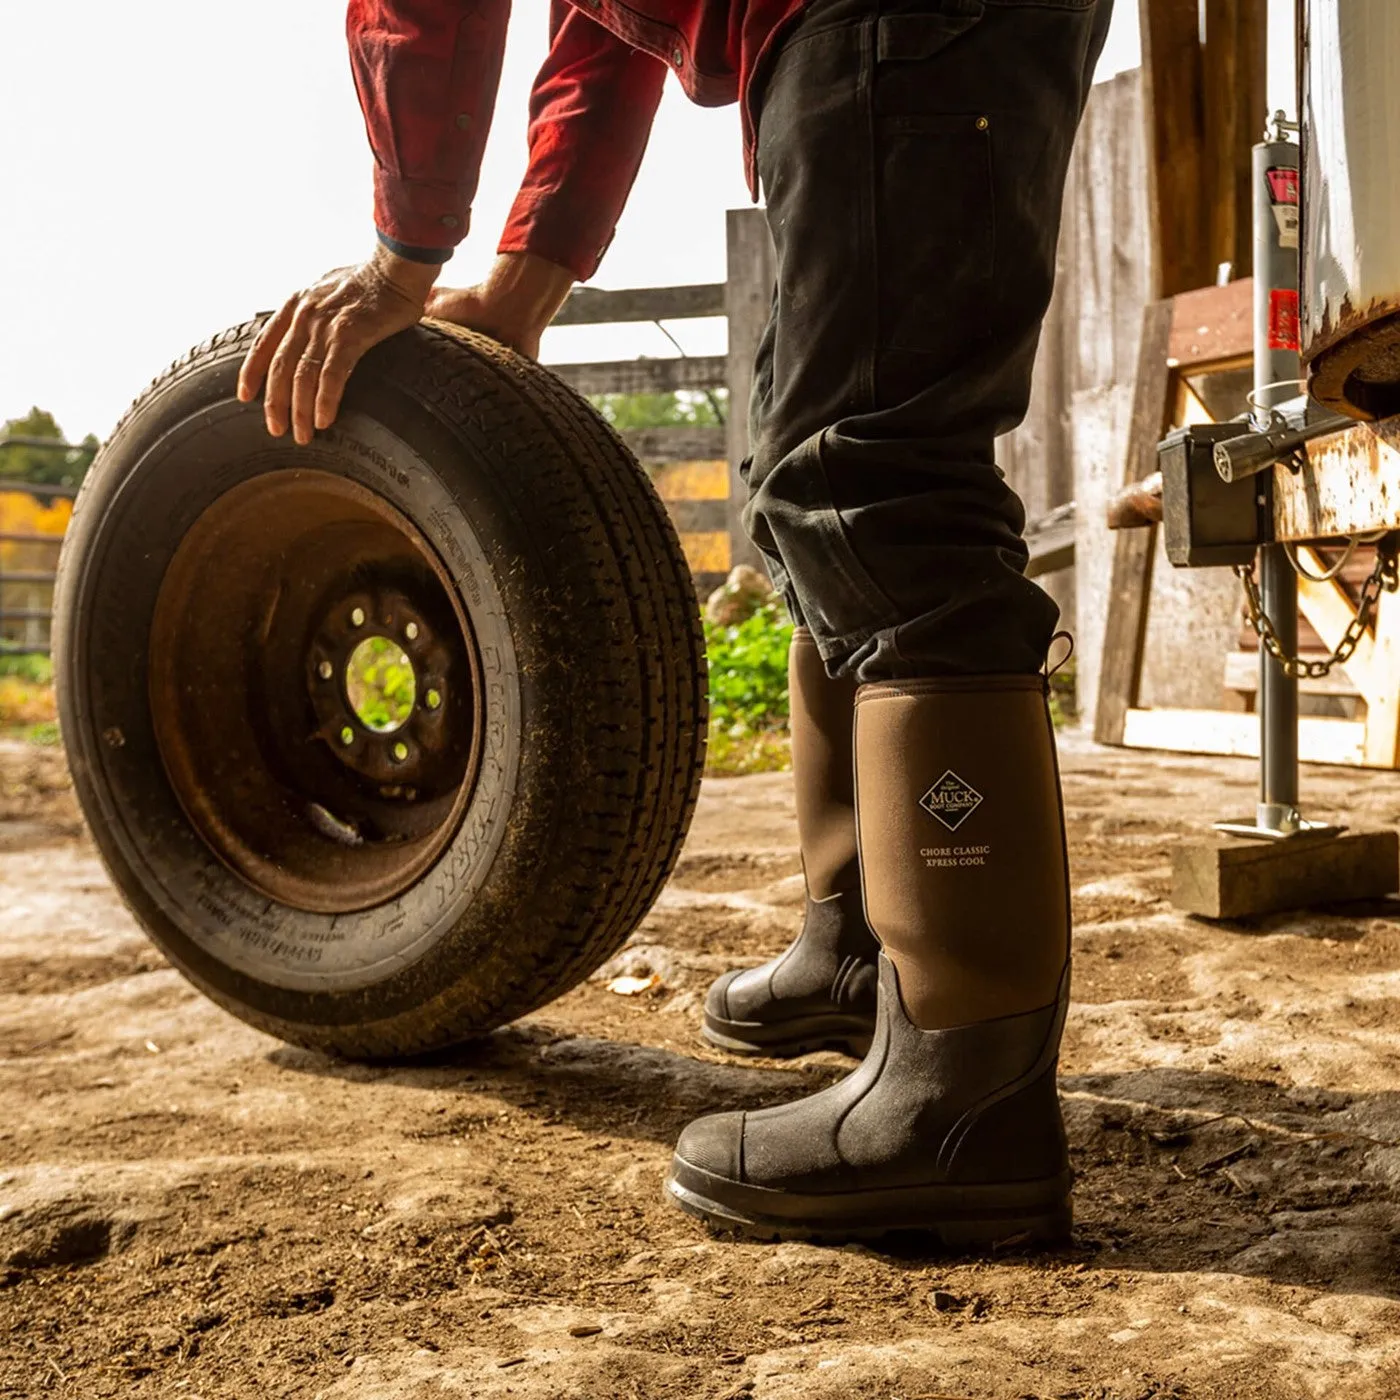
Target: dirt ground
[{"x": 188, "y": 1208}]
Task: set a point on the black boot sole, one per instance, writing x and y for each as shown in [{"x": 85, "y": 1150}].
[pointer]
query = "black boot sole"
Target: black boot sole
[
  {"x": 1017, "y": 1215},
  {"x": 802, "y": 1035}
]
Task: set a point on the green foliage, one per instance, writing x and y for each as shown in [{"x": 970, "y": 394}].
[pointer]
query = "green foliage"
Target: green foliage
[
  {"x": 686, "y": 408},
  {"x": 749, "y": 672},
  {"x": 45, "y": 734},
  {"x": 1064, "y": 698},
  {"x": 381, "y": 684},
  {"x": 41, "y": 464},
  {"x": 767, "y": 751},
  {"x": 31, "y": 666}
]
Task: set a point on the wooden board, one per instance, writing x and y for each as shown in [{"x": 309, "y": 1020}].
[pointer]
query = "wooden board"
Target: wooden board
[
  {"x": 1121, "y": 668},
  {"x": 1234, "y": 735},
  {"x": 678, "y": 444},
  {"x": 1234, "y": 878},
  {"x": 1212, "y": 327},
  {"x": 645, "y": 376},
  {"x": 1242, "y": 676},
  {"x": 592, "y": 306},
  {"x": 1174, "y": 109},
  {"x": 1234, "y": 88},
  {"x": 748, "y": 301}
]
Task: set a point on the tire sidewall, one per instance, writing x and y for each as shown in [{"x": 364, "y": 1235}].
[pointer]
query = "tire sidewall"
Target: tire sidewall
[{"x": 124, "y": 532}]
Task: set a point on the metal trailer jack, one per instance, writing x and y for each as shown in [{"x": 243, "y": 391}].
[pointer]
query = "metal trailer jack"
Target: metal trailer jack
[{"x": 1216, "y": 502}]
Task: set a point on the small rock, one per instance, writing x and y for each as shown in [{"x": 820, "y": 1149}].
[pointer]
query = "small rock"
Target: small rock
[
  {"x": 943, "y": 1301},
  {"x": 164, "y": 1338},
  {"x": 738, "y": 597},
  {"x": 584, "y": 1329}
]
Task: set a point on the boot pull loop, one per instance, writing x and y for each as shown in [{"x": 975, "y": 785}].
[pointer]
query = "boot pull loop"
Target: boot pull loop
[{"x": 1068, "y": 639}]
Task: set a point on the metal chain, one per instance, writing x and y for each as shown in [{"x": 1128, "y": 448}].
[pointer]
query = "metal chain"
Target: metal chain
[{"x": 1385, "y": 577}]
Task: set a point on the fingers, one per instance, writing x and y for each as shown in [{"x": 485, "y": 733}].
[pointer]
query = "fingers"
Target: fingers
[
  {"x": 302, "y": 359},
  {"x": 255, "y": 363},
  {"x": 277, "y": 399},
  {"x": 306, "y": 381},
  {"x": 335, "y": 373}
]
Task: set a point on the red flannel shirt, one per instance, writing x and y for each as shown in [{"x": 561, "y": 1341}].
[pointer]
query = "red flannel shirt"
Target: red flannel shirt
[{"x": 427, "y": 72}]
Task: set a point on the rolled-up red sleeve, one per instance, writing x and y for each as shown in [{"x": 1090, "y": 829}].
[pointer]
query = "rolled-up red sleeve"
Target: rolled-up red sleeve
[
  {"x": 591, "y": 113},
  {"x": 426, "y": 72}
]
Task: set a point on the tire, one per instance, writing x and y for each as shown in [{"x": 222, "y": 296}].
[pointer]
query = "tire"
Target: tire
[{"x": 378, "y": 894}]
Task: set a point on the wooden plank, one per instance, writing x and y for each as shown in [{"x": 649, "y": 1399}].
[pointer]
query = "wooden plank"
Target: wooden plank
[
  {"x": 1235, "y": 735},
  {"x": 706, "y": 517},
  {"x": 707, "y": 551},
  {"x": 1050, "y": 541},
  {"x": 693, "y": 481},
  {"x": 678, "y": 444},
  {"x": 658, "y": 376},
  {"x": 1329, "y": 609},
  {"x": 1121, "y": 667},
  {"x": 592, "y": 306},
  {"x": 1234, "y": 86},
  {"x": 1174, "y": 111},
  {"x": 1212, "y": 327},
  {"x": 748, "y": 302},
  {"x": 1235, "y": 878},
  {"x": 1382, "y": 683},
  {"x": 1242, "y": 677}
]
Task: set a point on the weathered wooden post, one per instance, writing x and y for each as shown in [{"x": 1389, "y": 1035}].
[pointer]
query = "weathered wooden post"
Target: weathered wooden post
[{"x": 748, "y": 296}]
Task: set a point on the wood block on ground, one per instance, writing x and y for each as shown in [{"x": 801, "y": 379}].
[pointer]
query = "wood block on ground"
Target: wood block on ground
[{"x": 1232, "y": 878}]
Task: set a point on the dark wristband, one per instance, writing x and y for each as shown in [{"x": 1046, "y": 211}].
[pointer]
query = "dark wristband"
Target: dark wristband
[{"x": 418, "y": 255}]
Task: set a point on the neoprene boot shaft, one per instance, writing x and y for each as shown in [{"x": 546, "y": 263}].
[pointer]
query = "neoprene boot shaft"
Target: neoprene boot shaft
[
  {"x": 823, "y": 773},
  {"x": 820, "y": 993},
  {"x": 962, "y": 844}
]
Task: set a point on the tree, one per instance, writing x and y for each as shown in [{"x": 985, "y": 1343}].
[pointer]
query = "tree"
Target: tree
[
  {"x": 55, "y": 467},
  {"x": 687, "y": 408}
]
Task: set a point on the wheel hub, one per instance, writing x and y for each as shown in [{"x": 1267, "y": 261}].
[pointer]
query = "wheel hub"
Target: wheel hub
[{"x": 315, "y": 692}]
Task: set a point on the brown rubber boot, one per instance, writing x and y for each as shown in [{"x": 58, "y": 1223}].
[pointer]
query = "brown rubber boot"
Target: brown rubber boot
[
  {"x": 820, "y": 994},
  {"x": 952, "y": 1124}
]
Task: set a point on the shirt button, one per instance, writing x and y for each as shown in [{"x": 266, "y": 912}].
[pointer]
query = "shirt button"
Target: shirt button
[
  {"x": 464, "y": 120},
  {"x": 677, "y": 57},
  {"x": 449, "y": 221}
]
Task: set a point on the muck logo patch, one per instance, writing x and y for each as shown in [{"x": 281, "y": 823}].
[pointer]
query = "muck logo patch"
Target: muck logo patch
[{"x": 951, "y": 800}]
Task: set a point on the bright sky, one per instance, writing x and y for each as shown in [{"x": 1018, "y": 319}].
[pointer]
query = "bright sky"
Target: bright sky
[{"x": 171, "y": 168}]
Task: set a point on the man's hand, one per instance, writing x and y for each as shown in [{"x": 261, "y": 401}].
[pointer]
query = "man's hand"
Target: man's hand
[
  {"x": 307, "y": 350},
  {"x": 514, "y": 304}
]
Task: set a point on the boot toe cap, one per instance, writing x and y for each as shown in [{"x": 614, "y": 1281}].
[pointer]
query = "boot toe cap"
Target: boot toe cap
[
  {"x": 714, "y": 1146},
  {"x": 717, "y": 998}
]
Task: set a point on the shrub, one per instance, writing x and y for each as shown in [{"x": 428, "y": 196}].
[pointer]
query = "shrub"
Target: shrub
[
  {"x": 30, "y": 666},
  {"x": 749, "y": 691}
]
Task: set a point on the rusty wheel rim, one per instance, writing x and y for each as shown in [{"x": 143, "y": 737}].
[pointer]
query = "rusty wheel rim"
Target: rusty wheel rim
[{"x": 265, "y": 603}]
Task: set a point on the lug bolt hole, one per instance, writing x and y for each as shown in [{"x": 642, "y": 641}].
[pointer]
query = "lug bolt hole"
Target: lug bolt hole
[
  {"x": 347, "y": 736},
  {"x": 400, "y": 751},
  {"x": 357, "y": 617},
  {"x": 433, "y": 699},
  {"x": 411, "y": 631},
  {"x": 325, "y": 670}
]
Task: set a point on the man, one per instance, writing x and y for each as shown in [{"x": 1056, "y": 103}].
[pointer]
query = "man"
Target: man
[{"x": 913, "y": 155}]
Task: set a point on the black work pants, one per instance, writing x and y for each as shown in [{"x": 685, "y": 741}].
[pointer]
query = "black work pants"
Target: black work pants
[{"x": 913, "y": 156}]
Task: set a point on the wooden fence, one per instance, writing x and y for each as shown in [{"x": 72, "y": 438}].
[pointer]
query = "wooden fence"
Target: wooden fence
[
  {"x": 696, "y": 469},
  {"x": 33, "y": 519}
]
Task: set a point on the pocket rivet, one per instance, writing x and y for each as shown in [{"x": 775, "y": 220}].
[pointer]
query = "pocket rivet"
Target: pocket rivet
[{"x": 982, "y": 123}]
